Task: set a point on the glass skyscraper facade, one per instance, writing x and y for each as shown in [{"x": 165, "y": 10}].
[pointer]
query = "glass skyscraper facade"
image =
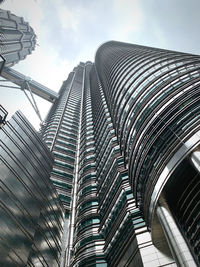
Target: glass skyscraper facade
[
  {"x": 124, "y": 133},
  {"x": 31, "y": 215},
  {"x": 125, "y": 136}
]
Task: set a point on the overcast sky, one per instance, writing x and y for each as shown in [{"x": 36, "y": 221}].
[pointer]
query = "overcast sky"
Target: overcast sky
[{"x": 70, "y": 31}]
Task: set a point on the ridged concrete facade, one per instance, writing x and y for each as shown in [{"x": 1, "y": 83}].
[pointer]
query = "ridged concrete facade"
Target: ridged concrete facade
[{"x": 125, "y": 136}]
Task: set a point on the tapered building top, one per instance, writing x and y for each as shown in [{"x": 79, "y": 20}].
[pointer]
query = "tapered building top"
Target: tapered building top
[{"x": 17, "y": 38}]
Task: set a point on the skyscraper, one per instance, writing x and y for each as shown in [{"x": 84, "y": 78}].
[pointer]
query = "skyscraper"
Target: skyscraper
[{"x": 125, "y": 136}]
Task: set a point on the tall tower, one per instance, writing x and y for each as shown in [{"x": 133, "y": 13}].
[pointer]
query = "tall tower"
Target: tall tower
[
  {"x": 125, "y": 136},
  {"x": 17, "y": 38},
  {"x": 154, "y": 102},
  {"x": 68, "y": 131}
]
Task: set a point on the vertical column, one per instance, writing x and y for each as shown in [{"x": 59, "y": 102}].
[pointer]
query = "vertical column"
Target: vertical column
[
  {"x": 76, "y": 175},
  {"x": 88, "y": 244},
  {"x": 177, "y": 244},
  {"x": 195, "y": 158}
]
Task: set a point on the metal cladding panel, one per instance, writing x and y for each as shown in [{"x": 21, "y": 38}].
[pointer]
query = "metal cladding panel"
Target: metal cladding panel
[
  {"x": 153, "y": 97},
  {"x": 17, "y": 38},
  {"x": 31, "y": 214}
]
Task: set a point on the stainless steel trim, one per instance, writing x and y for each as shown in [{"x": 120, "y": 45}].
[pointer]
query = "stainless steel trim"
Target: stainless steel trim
[
  {"x": 177, "y": 244},
  {"x": 184, "y": 151},
  {"x": 76, "y": 176},
  {"x": 195, "y": 159}
]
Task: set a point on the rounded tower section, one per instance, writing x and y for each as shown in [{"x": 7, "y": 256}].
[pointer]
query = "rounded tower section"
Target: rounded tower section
[
  {"x": 17, "y": 38},
  {"x": 153, "y": 96}
]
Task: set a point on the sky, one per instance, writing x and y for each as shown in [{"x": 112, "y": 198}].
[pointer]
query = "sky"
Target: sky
[{"x": 70, "y": 31}]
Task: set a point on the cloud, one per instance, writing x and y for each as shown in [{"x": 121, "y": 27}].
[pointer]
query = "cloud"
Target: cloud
[
  {"x": 129, "y": 16},
  {"x": 26, "y": 9},
  {"x": 44, "y": 64},
  {"x": 175, "y": 26},
  {"x": 68, "y": 20},
  {"x": 71, "y": 31}
]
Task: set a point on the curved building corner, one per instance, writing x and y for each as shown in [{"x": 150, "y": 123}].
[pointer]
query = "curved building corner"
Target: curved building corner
[{"x": 153, "y": 98}]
